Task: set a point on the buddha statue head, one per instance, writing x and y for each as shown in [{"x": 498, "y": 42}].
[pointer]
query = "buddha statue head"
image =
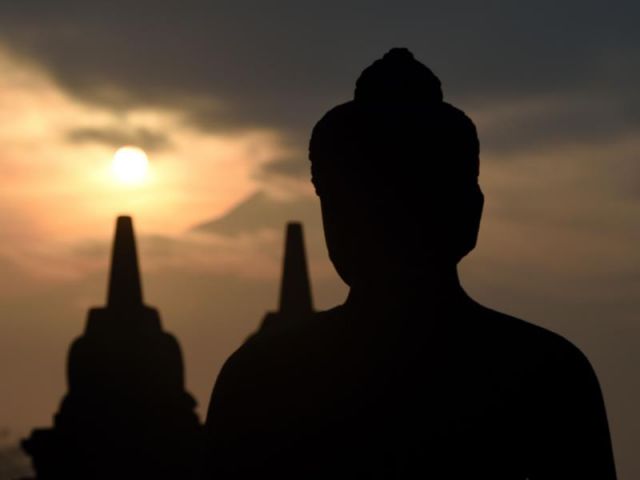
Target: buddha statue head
[{"x": 396, "y": 170}]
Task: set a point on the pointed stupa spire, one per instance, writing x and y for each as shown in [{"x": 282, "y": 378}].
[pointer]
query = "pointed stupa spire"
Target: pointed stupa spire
[
  {"x": 295, "y": 289},
  {"x": 125, "y": 289}
]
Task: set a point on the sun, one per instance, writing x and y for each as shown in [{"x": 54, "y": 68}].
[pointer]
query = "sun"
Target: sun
[{"x": 130, "y": 165}]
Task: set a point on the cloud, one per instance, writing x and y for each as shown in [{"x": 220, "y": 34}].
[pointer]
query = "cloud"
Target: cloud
[
  {"x": 232, "y": 66},
  {"x": 294, "y": 167},
  {"x": 116, "y": 137},
  {"x": 552, "y": 121},
  {"x": 533, "y": 77},
  {"x": 56, "y": 153}
]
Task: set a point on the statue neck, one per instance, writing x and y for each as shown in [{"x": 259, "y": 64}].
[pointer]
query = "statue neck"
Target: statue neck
[{"x": 409, "y": 287}]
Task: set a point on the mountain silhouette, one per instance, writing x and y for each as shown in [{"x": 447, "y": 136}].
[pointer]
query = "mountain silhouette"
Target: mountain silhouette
[{"x": 260, "y": 211}]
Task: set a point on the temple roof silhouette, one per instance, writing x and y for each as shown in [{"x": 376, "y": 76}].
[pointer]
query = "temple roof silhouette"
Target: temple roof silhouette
[
  {"x": 295, "y": 288},
  {"x": 126, "y": 413},
  {"x": 125, "y": 288},
  {"x": 295, "y": 303}
]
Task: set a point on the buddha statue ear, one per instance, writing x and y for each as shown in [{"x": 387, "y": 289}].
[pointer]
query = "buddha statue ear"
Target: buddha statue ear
[
  {"x": 338, "y": 237},
  {"x": 467, "y": 224}
]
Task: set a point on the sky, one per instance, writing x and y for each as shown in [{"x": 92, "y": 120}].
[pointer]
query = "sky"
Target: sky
[{"x": 222, "y": 97}]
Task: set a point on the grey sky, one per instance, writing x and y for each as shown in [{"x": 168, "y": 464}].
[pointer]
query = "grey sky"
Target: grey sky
[{"x": 241, "y": 64}]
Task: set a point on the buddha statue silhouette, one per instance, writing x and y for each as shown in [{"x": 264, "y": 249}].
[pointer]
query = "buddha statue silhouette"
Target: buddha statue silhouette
[{"x": 409, "y": 377}]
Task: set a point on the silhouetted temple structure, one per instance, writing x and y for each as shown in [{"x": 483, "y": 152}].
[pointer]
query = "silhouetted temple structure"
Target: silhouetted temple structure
[
  {"x": 295, "y": 288},
  {"x": 126, "y": 414}
]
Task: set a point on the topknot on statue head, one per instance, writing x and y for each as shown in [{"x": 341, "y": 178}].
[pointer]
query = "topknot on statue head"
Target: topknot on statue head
[
  {"x": 396, "y": 130},
  {"x": 398, "y": 78}
]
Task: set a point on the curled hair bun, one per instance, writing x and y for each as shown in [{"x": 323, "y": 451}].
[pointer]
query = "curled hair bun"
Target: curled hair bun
[
  {"x": 398, "y": 78},
  {"x": 397, "y": 130}
]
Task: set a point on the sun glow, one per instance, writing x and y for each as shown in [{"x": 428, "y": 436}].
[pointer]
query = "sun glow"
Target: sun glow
[{"x": 130, "y": 165}]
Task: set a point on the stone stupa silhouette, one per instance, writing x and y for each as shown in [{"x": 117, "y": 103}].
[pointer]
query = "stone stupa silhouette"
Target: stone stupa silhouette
[
  {"x": 126, "y": 413},
  {"x": 296, "y": 302}
]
